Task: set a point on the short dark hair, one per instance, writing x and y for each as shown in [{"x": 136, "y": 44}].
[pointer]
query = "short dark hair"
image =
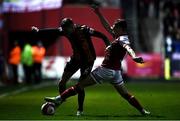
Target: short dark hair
[
  {"x": 66, "y": 22},
  {"x": 121, "y": 23}
]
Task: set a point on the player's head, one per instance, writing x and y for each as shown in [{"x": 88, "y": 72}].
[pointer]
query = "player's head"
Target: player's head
[
  {"x": 119, "y": 27},
  {"x": 67, "y": 25}
]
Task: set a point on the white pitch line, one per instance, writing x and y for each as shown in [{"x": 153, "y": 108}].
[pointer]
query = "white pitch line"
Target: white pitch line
[{"x": 24, "y": 89}]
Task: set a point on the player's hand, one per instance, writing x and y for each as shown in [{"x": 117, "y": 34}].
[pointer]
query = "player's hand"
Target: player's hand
[
  {"x": 95, "y": 8},
  {"x": 138, "y": 60},
  {"x": 33, "y": 28}
]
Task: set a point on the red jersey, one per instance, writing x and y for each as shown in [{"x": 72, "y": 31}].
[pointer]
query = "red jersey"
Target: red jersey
[{"x": 115, "y": 53}]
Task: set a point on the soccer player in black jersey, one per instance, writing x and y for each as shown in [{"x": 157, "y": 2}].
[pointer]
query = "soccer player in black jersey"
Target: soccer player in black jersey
[{"x": 83, "y": 56}]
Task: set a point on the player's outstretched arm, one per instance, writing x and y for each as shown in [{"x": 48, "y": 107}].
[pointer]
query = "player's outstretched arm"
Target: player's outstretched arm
[
  {"x": 47, "y": 34},
  {"x": 132, "y": 54},
  {"x": 104, "y": 22},
  {"x": 47, "y": 30}
]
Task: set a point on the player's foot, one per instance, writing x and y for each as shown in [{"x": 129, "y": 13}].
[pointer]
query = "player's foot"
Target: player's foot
[
  {"x": 145, "y": 112},
  {"x": 56, "y": 100},
  {"x": 79, "y": 113}
]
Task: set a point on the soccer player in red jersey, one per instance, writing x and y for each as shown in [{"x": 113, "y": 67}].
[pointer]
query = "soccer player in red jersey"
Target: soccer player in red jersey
[
  {"x": 110, "y": 69},
  {"x": 83, "y": 56}
]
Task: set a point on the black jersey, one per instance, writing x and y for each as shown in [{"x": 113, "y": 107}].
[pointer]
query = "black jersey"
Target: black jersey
[{"x": 80, "y": 41}]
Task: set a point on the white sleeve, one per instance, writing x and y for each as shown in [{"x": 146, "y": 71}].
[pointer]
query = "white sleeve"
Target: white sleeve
[{"x": 123, "y": 40}]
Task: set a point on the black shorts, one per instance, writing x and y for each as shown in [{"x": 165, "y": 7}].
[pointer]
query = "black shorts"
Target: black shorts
[{"x": 74, "y": 65}]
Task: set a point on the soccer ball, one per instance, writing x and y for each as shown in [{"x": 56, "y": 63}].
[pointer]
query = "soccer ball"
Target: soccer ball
[{"x": 48, "y": 108}]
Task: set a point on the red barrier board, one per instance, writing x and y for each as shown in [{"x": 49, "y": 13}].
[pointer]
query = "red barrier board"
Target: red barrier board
[{"x": 151, "y": 68}]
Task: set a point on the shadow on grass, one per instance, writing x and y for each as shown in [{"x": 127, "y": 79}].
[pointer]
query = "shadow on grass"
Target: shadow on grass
[
  {"x": 124, "y": 116},
  {"x": 153, "y": 116}
]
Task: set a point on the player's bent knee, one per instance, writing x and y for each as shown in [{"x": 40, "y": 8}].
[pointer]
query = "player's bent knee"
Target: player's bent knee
[
  {"x": 62, "y": 85},
  {"x": 79, "y": 89}
]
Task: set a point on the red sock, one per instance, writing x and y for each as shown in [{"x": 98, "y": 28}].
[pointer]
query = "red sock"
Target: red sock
[
  {"x": 69, "y": 92},
  {"x": 134, "y": 102}
]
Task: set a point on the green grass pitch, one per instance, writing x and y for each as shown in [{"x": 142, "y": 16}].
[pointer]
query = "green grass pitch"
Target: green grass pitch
[{"x": 102, "y": 102}]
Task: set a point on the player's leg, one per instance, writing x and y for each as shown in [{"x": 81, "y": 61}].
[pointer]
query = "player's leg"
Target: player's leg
[
  {"x": 88, "y": 81},
  {"x": 118, "y": 83},
  {"x": 62, "y": 82},
  {"x": 62, "y": 88},
  {"x": 71, "y": 67},
  {"x": 85, "y": 71},
  {"x": 130, "y": 98}
]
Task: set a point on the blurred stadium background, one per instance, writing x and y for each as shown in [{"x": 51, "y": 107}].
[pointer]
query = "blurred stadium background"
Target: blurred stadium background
[{"x": 154, "y": 30}]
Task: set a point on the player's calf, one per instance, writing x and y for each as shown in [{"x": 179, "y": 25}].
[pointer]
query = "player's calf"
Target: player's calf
[
  {"x": 81, "y": 96},
  {"x": 135, "y": 103}
]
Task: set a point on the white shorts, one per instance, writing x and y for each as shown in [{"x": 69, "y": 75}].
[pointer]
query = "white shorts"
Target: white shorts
[{"x": 102, "y": 74}]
